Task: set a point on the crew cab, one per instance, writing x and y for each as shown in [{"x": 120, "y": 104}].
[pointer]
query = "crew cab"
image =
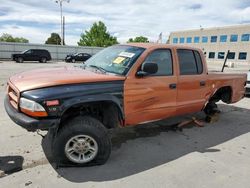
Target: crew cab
[{"x": 123, "y": 85}]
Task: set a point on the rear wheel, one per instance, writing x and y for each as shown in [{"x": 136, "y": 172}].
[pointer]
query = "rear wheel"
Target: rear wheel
[
  {"x": 43, "y": 60},
  {"x": 20, "y": 60},
  {"x": 83, "y": 141}
]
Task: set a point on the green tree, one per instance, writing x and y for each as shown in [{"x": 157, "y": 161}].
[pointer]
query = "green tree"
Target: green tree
[
  {"x": 97, "y": 36},
  {"x": 54, "y": 39},
  {"x": 139, "y": 39},
  {"x": 9, "y": 38}
]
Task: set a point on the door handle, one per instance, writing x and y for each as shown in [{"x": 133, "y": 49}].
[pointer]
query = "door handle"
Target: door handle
[
  {"x": 202, "y": 83},
  {"x": 172, "y": 86}
]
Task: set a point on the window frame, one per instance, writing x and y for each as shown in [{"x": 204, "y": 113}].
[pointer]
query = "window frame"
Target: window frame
[
  {"x": 204, "y": 39},
  {"x": 241, "y": 58},
  {"x": 189, "y": 40},
  {"x": 171, "y": 54},
  {"x": 219, "y": 54},
  {"x": 229, "y": 55},
  {"x": 175, "y": 40},
  {"x": 245, "y": 35},
  {"x": 182, "y": 40},
  {"x": 214, "y": 37},
  {"x": 234, "y": 35},
  {"x": 211, "y": 53},
  {"x": 223, "y": 37},
  {"x": 196, "y": 64},
  {"x": 196, "y": 39}
]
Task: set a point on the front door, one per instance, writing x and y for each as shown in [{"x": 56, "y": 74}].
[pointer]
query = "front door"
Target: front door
[
  {"x": 152, "y": 97},
  {"x": 28, "y": 55}
]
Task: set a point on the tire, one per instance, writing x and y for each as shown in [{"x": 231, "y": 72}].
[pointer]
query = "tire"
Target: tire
[
  {"x": 73, "y": 60},
  {"x": 72, "y": 138},
  {"x": 43, "y": 60},
  {"x": 20, "y": 60}
]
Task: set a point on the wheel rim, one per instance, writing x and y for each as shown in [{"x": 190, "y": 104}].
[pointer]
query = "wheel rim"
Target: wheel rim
[
  {"x": 81, "y": 149},
  {"x": 73, "y": 60},
  {"x": 43, "y": 60}
]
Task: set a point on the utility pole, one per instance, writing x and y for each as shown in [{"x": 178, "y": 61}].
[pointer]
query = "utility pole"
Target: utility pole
[
  {"x": 60, "y": 2},
  {"x": 63, "y": 39}
]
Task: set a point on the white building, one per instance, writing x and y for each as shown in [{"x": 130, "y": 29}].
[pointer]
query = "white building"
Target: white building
[{"x": 215, "y": 42}]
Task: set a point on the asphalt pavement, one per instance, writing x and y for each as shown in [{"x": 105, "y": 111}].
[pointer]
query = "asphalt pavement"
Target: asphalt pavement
[{"x": 151, "y": 155}]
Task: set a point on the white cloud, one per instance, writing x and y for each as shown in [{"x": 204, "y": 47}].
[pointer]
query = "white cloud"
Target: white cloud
[{"x": 36, "y": 19}]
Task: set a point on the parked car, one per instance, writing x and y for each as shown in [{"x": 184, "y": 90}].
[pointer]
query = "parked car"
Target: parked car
[
  {"x": 120, "y": 86},
  {"x": 248, "y": 83},
  {"x": 32, "y": 55},
  {"x": 77, "y": 57}
]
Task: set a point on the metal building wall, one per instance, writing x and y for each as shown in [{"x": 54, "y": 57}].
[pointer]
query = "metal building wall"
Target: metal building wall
[
  {"x": 237, "y": 47},
  {"x": 57, "y": 52}
]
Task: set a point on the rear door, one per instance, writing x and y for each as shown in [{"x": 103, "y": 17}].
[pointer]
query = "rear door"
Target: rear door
[
  {"x": 152, "y": 97},
  {"x": 35, "y": 55},
  {"x": 192, "y": 85}
]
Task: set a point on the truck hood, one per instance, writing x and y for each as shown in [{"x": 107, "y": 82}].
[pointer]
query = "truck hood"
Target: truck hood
[{"x": 40, "y": 78}]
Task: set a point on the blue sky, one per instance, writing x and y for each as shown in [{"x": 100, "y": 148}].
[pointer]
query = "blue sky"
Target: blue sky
[{"x": 36, "y": 19}]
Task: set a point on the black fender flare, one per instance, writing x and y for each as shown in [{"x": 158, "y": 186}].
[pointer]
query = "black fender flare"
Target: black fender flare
[{"x": 92, "y": 98}]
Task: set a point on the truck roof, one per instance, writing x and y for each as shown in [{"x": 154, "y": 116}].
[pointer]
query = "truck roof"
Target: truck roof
[{"x": 158, "y": 45}]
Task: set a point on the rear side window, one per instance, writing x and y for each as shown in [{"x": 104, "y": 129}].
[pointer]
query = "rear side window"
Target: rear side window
[
  {"x": 163, "y": 58},
  {"x": 190, "y": 62},
  {"x": 198, "y": 62}
]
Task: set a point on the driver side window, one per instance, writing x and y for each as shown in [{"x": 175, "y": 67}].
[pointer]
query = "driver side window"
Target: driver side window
[
  {"x": 28, "y": 52},
  {"x": 163, "y": 58}
]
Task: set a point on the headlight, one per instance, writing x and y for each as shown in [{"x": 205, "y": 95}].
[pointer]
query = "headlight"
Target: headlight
[{"x": 32, "y": 108}]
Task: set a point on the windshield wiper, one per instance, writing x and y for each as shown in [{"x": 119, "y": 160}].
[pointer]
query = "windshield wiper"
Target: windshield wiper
[{"x": 99, "y": 68}]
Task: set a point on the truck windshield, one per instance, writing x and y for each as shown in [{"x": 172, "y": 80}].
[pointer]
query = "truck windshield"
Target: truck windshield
[{"x": 115, "y": 59}]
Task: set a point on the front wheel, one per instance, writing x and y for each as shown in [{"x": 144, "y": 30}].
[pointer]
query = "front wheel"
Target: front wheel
[
  {"x": 83, "y": 141},
  {"x": 73, "y": 60},
  {"x": 20, "y": 60}
]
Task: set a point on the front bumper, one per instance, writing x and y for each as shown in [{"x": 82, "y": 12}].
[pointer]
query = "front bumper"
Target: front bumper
[{"x": 29, "y": 123}]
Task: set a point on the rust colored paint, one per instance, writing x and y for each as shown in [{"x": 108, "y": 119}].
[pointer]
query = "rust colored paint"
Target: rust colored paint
[
  {"x": 41, "y": 78},
  {"x": 149, "y": 98}
]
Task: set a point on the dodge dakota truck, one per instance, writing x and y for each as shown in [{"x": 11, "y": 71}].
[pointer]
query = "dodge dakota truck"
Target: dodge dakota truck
[{"x": 120, "y": 86}]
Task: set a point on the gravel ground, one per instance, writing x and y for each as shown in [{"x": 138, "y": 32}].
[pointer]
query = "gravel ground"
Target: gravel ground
[{"x": 152, "y": 155}]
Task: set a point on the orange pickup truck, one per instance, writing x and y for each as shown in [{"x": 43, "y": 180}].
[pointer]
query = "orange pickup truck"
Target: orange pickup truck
[{"x": 122, "y": 85}]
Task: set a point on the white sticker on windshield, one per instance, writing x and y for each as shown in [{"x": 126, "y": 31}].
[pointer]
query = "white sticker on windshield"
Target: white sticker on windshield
[{"x": 127, "y": 54}]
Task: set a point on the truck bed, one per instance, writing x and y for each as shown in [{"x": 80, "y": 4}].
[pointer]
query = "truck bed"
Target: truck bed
[{"x": 236, "y": 81}]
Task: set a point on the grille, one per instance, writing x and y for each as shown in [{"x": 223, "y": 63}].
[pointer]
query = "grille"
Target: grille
[{"x": 13, "y": 96}]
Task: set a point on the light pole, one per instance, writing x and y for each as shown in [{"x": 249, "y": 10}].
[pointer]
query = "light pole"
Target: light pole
[{"x": 60, "y": 2}]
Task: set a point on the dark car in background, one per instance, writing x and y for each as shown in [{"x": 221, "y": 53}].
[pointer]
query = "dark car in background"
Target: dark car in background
[
  {"x": 77, "y": 57},
  {"x": 32, "y": 55}
]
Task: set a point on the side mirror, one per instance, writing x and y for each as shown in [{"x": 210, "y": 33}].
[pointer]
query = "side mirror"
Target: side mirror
[{"x": 147, "y": 68}]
